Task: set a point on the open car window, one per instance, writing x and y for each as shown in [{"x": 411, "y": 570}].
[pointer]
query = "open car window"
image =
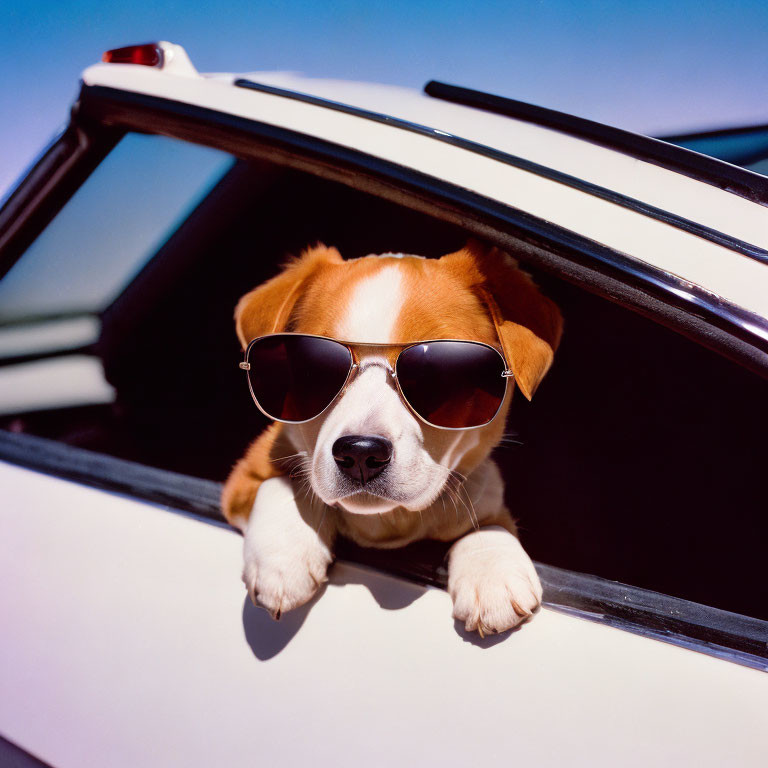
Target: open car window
[{"x": 640, "y": 458}]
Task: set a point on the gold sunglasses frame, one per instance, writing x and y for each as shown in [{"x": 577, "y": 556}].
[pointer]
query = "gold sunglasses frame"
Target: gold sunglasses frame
[{"x": 356, "y": 366}]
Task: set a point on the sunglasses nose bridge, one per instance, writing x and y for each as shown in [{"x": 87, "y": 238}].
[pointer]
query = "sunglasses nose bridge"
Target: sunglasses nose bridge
[
  {"x": 376, "y": 357},
  {"x": 367, "y": 365}
]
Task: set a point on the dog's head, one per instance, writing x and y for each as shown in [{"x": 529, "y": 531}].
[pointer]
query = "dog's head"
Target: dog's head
[{"x": 475, "y": 294}]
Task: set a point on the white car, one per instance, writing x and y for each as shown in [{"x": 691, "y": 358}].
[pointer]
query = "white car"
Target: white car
[{"x": 127, "y": 638}]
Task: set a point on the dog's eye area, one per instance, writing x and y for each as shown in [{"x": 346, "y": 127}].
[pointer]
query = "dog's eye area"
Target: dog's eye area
[
  {"x": 294, "y": 378},
  {"x": 447, "y": 383},
  {"x": 454, "y": 384}
]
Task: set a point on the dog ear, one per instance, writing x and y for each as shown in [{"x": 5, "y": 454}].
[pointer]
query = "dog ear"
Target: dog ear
[
  {"x": 528, "y": 323},
  {"x": 268, "y": 308}
]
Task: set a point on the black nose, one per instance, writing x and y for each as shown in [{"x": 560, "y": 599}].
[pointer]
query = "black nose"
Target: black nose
[{"x": 362, "y": 457}]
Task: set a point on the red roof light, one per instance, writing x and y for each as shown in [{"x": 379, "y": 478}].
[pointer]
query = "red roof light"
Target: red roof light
[{"x": 148, "y": 55}]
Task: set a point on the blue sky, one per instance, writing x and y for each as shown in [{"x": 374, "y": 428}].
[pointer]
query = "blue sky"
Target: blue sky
[{"x": 652, "y": 67}]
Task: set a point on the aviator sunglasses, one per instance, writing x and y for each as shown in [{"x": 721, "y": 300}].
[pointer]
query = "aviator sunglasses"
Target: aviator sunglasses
[{"x": 447, "y": 383}]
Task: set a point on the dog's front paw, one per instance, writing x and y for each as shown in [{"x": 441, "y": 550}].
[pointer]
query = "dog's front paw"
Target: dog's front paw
[
  {"x": 286, "y": 555},
  {"x": 492, "y": 581},
  {"x": 282, "y": 580}
]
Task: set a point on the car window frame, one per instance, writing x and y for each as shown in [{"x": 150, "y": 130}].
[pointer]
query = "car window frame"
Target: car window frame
[{"x": 103, "y": 115}]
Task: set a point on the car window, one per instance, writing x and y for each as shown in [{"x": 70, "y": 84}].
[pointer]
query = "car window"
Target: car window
[
  {"x": 50, "y": 300},
  {"x": 109, "y": 229},
  {"x": 639, "y": 459}
]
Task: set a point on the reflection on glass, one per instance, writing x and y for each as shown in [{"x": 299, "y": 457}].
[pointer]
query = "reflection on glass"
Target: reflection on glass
[{"x": 94, "y": 247}]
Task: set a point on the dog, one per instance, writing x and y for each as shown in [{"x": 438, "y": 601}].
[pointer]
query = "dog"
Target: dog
[{"x": 404, "y": 478}]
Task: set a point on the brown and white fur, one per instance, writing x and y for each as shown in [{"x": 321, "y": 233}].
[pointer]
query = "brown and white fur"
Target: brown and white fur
[{"x": 288, "y": 496}]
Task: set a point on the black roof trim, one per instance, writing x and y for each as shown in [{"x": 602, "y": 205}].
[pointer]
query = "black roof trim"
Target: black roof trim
[
  {"x": 719, "y": 633},
  {"x": 739, "y": 181},
  {"x": 715, "y": 133},
  {"x": 609, "y": 195}
]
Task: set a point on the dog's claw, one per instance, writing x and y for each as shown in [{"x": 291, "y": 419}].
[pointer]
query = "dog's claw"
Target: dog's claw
[
  {"x": 522, "y": 612},
  {"x": 275, "y": 613}
]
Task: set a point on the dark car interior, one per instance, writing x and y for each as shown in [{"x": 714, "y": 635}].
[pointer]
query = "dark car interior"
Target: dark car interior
[{"x": 641, "y": 458}]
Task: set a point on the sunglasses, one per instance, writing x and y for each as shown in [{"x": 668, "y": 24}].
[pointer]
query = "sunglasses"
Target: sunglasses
[{"x": 450, "y": 384}]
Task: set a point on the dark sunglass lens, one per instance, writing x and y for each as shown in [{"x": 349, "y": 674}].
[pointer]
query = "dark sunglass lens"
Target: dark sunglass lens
[
  {"x": 295, "y": 378},
  {"x": 456, "y": 384}
]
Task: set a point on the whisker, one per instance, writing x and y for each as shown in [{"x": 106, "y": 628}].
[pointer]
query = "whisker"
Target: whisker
[
  {"x": 473, "y": 514},
  {"x": 468, "y": 511},
  {"x": 460, "y": 480},
  {"x": 453, "y": 501},
  {"x": 302, "y": 454},
  {"x": 299, "y": 472},
  {"x": 510, "y": 438},
  {"x": 457, "y": 475},
  {"x": 322, "y": 517}
]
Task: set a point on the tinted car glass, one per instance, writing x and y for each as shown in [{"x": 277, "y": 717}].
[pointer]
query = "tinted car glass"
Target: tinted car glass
[
  {"x": 109, "y": 229},
  {"x": 51, "y": 297}
]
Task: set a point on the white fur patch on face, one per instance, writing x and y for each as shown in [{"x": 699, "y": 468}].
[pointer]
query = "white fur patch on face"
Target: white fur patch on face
[
  {"x": 373, "y": 309},
  {"x": 371, "y": 406}
]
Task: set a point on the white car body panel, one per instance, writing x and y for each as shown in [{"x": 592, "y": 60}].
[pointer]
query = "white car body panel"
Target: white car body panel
[
  {"x": 128, "y": 640},
  {"x": 735, "y": 277}
]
